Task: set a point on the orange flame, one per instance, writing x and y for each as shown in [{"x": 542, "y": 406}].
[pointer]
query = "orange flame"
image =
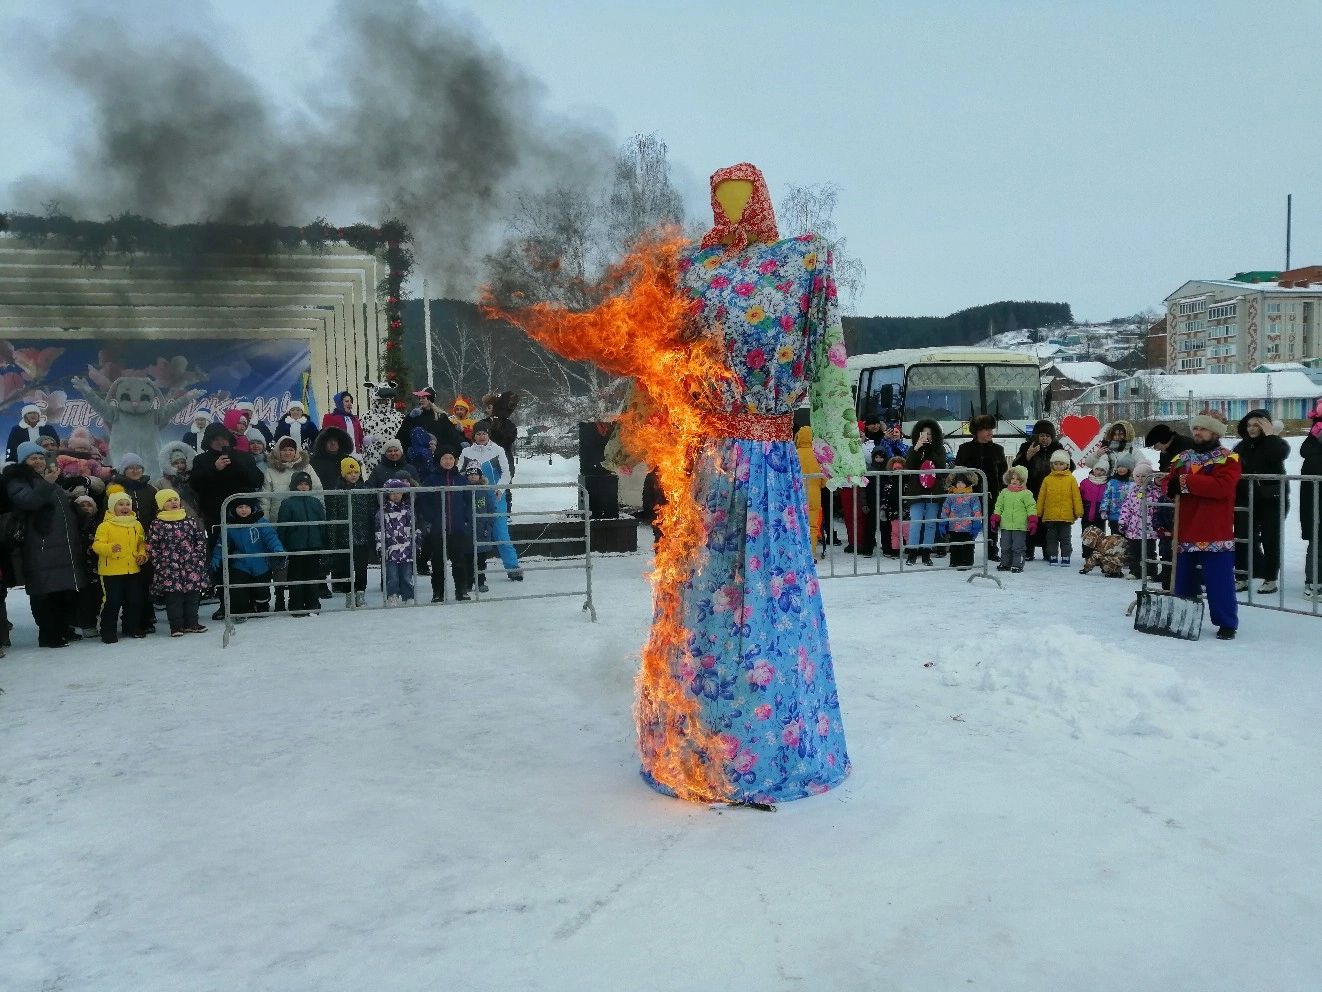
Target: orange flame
[{"x": 643, "y": 330}]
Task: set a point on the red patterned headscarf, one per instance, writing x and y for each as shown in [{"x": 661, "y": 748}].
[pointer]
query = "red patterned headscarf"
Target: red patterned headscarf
[{"x": 758, "y": 221}]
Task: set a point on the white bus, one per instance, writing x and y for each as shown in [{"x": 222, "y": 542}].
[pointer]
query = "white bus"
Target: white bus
[{"x": 950, "y": 386}]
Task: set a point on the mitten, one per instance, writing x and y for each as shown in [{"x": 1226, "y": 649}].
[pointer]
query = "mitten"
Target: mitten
[
  {"x": 1032, "y": 525},
  {"x": 996, "y": 520}
]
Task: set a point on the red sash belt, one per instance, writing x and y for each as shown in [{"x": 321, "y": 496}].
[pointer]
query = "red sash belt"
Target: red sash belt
[{"x": 752, "y": 426}]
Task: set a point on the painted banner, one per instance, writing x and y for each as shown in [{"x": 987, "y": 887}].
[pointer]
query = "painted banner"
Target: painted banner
[{"x": 269, "y": 373}]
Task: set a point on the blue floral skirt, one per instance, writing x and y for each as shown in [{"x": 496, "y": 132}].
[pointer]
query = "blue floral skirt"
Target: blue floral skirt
[{"x": 758, "y": 658}]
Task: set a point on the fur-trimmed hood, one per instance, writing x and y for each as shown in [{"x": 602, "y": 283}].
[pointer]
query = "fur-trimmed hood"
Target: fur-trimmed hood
[
  {"x": 276, "y": 464},
  {"x": 167, "y": 454}
]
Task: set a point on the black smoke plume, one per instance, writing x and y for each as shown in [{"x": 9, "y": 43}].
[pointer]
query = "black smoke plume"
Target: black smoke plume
[{"x": 418, "y": 116}]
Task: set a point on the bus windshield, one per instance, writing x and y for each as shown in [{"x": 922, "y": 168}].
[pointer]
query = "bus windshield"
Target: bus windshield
[
  {"x": 1013, "y": 392},
  {"x": 942, "y": 392}
]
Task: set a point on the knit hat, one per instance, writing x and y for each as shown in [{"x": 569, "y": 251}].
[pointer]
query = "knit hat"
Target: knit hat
[
  {"x": 298, "y": 478},
  {"x": 286, "y": 440},
  {"x": 295, "y": 404},
  {"x": 84, "y": 498},
  {"x": 395, "y": 483},
  {"x": 473, "y": 468},
  {"x": 394, "y": 443},
  {"x": 29, "y": 448},
  {"x": 129, "y": 460},
  {"x": 1209, "y": 420},
  {"x": 1059, "y": 458},
  {"x": 1016, "y": 472},
  {"x": 1098, "y": 470},
  {"x": 1142, "y": 468},
  {"x": 350, "y": 463},
  {"x": 1160, "y": 434},
  {"x": 247, "y": 406},
  {"x": 203, "y": 413},
  {"x": 163, "y": 495},
  {"x": 1125, "y": 461},
  {"x": 114, "y": 499},
  {"x": 30, "y": 408},
  {"x": 255, "y": 436}
]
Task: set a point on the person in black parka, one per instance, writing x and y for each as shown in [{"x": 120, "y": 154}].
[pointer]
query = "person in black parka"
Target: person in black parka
[
  {"x": 1310, "y": 503},
  {"x": 984, "y": 454},
  {"x": 924, "y": 492},
  {"x": 1258, "y": 544},
  {"x": 54, "y": 568},
  {"x": 220, "y": 472},
  {"x": 1167, "y": 443},
  {"x": 1035, "y": 455}
]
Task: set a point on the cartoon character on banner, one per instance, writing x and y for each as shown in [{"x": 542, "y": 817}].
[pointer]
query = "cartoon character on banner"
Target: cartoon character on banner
[
  {"x": 380, "y": 421},
  {"x": 134, "y": 411},
  {"x": 1080, "y": 435}
]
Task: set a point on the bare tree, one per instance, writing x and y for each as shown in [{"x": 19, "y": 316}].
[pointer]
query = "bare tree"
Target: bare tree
[
  {"x": 811, "y": 210},
  {"x": 641, "y": 195},
  {"x": 560, "y": 244}
]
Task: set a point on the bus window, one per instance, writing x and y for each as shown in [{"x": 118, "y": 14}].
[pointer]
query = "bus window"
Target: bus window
[
  {"x": 942, "y": 392},
  {"x": 1013, "y": 392},
  {"x": 871, "y": 385}
]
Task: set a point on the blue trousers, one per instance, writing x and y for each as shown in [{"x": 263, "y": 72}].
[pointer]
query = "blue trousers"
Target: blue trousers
[
  {"x": 499, "y": 530},
  {"x": 399, "y": 578},
  {"x": 923, "y": 517},
  {"x": 1214, "y": 571}
]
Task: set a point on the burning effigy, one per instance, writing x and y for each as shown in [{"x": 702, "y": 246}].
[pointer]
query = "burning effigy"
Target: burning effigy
[{"x": 737, "y": 699}]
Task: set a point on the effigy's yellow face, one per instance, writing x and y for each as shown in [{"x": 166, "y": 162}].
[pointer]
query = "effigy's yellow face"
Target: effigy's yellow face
[{"x": 733, "y": 196}]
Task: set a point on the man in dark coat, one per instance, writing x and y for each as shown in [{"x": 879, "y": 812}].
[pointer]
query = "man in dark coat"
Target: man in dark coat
[
  {"x": 1035, "y": 455},
  {"x": 988, "y": 457},
  {"x": 1167, "y": 443},
  {"x": 1261, "y": 452},
  {"x": 432, "y": 420},
  {"x": 53, "y": 558},
  {"x": 220, "y": 472},
  {"x": 330, "y": 447},
  {"x": 1310, "y": 504}
]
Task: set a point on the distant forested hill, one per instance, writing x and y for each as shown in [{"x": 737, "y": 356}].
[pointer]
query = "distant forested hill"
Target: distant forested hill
[{"x": 867, "y": 334}]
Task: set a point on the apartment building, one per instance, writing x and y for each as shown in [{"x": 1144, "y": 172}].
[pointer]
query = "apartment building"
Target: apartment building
[{"x": 1235, "y": 325}]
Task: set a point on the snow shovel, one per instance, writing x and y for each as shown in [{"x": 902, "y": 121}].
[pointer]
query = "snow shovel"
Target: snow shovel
[{"x": 1162, "y": 612}]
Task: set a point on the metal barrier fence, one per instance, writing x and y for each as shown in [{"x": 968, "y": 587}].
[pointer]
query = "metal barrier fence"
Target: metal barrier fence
[
  {"x": 482, "y": 541},
  {"x": 1260, "y": 543},
  {"x": 871, "y": 497}
]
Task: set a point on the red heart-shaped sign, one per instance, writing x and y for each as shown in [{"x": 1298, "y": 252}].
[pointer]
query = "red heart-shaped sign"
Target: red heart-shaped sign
[{"x": 1080, "y": 433}]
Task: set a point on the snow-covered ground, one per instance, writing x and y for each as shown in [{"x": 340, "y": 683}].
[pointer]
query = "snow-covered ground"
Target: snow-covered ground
[{"x": 448, "y": 798}]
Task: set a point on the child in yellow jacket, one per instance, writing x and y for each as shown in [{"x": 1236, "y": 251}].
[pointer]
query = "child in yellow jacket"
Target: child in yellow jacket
[
  {"x": 1059, "y": 504},
  {"x": 121, "y": 550}
]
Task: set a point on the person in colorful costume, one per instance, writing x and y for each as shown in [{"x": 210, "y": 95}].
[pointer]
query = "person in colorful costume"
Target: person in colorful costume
[
  {"x": 1202, "y": 481},
  {"x": 461, "y": 415}
]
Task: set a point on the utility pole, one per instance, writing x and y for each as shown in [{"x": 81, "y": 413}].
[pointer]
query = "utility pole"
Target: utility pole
[
  {"x": 426, "y": 330},
  {"x": 1289, "y": 209}
]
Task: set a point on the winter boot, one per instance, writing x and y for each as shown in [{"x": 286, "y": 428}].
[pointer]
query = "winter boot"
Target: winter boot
[
  {"x": 348, "y": 600},
  {"x": 1269, "y": 586},
  {"x": 515, "y": 574},
  {"x": 359, "y": 598},
  {"x": 1065, "y": 562}
]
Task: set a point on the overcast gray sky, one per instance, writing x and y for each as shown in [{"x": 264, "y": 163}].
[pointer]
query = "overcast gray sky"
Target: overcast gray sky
[{"x": 1098, "y": 153}]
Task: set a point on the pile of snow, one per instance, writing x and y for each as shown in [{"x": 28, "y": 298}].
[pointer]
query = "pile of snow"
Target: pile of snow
[{"x": 1063, "y": 679}]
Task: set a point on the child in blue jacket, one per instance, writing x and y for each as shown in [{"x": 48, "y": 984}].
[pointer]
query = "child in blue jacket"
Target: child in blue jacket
[{"x": 249, "y": 534}]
